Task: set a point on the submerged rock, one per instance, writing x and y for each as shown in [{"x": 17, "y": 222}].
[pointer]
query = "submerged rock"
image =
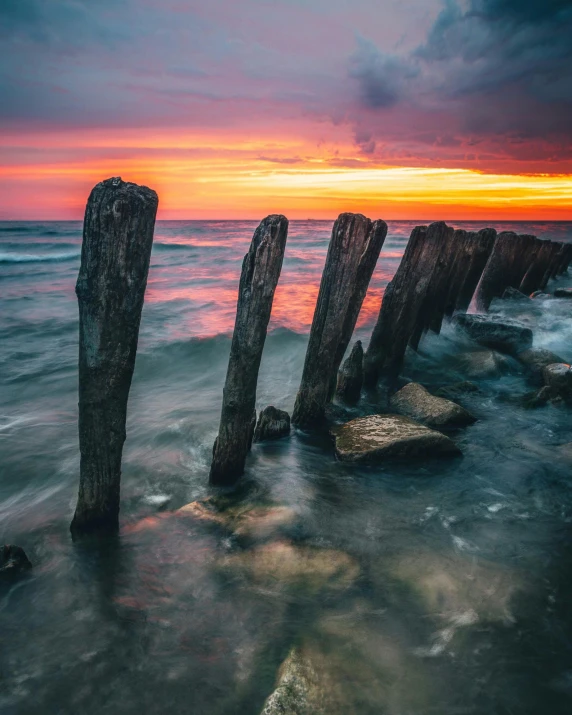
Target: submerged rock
[
  {"x": 380, "y": 437},
  {"x": 350, "y": 377},
  {"x": 416, "y": 402},
  {"x": 272, "y": 424},
  {"x": 558, "y": 380},
  {"x": 536, "y": 359},
  {"x": 514, "y": 294},
  {"x": 13, "y": 560},
  {"x": 453, "y": 392},
  {"x": 563, "y": 293},
  {"x": 484, "y": 364},
  {"x": 297, "y": 689},
  {"x": 541, "y": 294},
  {"x": 245, "y": 522},
  {"x": 505, "y": 337},
  {"x": 282, "y": 564}
]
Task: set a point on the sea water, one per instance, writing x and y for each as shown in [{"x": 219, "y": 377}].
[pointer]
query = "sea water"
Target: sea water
[{"x": 462, "y": 603}]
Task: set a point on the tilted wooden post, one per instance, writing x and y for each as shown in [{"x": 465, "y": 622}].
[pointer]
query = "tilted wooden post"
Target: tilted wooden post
[
  {"x": 260, "y": 273},
  {"x": 352, "y": 255},
  {"x": 478, "y": 247},
  {"x": 534, "y": 275},
  {"x": 116, "y": 250}
]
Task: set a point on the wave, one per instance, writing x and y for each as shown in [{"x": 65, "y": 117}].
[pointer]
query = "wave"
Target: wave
[{"x": 32, "y": 258}]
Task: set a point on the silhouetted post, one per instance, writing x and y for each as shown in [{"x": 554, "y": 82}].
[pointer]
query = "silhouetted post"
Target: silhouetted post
[
  {"x": 352, "y": 255},
  {"x": 554, "y": 251},
  {"x": 260, "y": 273},
  {"x": 116, "y": 250},
  {"x": 533, "y": 277},
  {"x": 509, "y": 262},
  {"x": 350, "y": 377},
  {"x": 399, "y": 316},
  {"x": 478, "y": 247}
]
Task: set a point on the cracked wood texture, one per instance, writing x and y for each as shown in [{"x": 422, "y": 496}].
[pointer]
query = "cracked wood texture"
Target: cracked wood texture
[
  {"x": 260, "y": 273},
  {"x": 116, "y": 250},
  {"x": 352, "y": 256}
]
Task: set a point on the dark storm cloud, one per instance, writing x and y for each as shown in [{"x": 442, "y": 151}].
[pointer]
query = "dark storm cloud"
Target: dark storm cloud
[{"x": 490, "y": 70}]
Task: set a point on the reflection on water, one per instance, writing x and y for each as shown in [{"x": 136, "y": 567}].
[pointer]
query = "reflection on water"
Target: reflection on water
[{"x": 436, "y": 587}]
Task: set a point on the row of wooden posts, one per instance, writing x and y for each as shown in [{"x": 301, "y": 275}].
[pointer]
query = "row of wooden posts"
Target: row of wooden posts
[{"x": 442, "y": 270}]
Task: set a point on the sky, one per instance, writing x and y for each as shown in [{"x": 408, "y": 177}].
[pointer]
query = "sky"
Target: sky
[{"x": 399, "y": 109}]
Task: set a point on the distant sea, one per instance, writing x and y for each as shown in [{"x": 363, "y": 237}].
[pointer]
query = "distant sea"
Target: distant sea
[{"x": 153, "y": 629}]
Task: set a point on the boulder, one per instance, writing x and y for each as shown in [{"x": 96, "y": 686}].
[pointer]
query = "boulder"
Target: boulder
[
  {"x": 350, "y": 377},
  {"x": 536, "y": 359},
  {"x": 272, "y": 424},
  {"x": 563, "y": 293},
  {"x": 282, "y": 564},
  {"x": 453, "y": 392},
  {"x": 505, "y": 337},
  {"x": 558, "y": 380},
  {"x": 483, "y": 364},
  {"x": 380, "y": 437},
  {"x": 13, "y": 560},
  {"x": 416, "y": 402},
  {"x": 514, "y": 294}
]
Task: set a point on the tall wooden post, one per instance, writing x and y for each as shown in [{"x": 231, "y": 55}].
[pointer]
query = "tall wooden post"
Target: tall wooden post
[
  {"x": 260, "y": 273},
  {"x": 116, "y": 250},
  {"x": 352, "y": 255}
]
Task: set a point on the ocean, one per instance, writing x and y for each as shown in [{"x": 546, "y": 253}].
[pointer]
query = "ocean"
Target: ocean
[{"x": 461, "y": 605}]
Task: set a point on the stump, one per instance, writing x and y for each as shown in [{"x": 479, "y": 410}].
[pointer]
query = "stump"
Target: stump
[
  {"x": 260, "y": 273},
  {"x": 352, "y": 255},
  {"x": 350, "y": 377},
  {"x": 116, "y": 250}
]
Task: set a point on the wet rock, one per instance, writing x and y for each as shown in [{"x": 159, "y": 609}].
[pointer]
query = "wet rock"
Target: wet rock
[
  {"x": 558, "y": 380},
  {"x": 459, "y": 389},
  {"x": 505, "y": 337},
  {"x": 380, "y": 437},
  {"x": 282, "y": 564},
  {"x": 416, "y": 402},
  {"x": 246, "y": 522},
  {"x": 536, "y": 359},
  {"x": 297, "y": 689},
  {"x": 515, "y": 294},
  {"x": 483, "y": 364},
  {"x": 272, "y": 424},
  {"x": 13, "y": 560},
  {"x": 563, "y": 293},
  {"x": 350, "y": 377}
]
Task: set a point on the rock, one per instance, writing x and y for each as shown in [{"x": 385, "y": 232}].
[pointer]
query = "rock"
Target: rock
[
  {"x": 281, "y": 564},
  {"x": 505, "y": 337},
  {"x": 13, "y": 560},
  {"x": 245, "y": 522},
  {"x": 514, "y": 294},
  {"x": 536, "y": 359},
  {"x": 416, "y": 402},
  {"x": 452, "y": 392},
  {"x": 540, "y": 294},
  {"x": 558, "y": 379},
  {"x": 272, "y": 424},
  {"x": 350, "y": 377},
  {"x": 563, "y": 293},
  {"x": 483, "y": 364},
  {"x": 380, "y": 437},
  {"x": 296, "y": 688}
]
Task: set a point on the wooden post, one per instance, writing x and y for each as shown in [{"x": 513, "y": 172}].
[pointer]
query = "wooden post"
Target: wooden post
[
  {"x": 533, "y": 277},
  {"x": 509, "y": 261},
  {"x": 478, "y": 249},
  {"x": 350, "y": 377},
  {"x": 554, "y": 251},
  {"x": 352, "y": 255},
  {"x": 117, "y": 242},
  {"x": 260, "y": 273},
  {"x": 399, "y": 317}
]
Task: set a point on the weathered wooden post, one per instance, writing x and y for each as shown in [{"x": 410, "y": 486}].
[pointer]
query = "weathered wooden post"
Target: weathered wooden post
[
  {"x": 350, "y": 377},
  {"x": 478, "y": 247},
  {"x": 116, "y": 250},
  {"x": 554, "y": 251},
  {"x": 260, "y": 273},
  {"x": 352, "y": 255},
  {"x": 535, "y": 273},
  {"x": 399, "y": 317}
]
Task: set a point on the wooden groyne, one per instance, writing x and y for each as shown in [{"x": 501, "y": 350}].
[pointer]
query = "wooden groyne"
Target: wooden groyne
[
  {"x": 260, "y": 273},
  {"x": 352, "y": 256},
  {"x": 115, "y": 255}
]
